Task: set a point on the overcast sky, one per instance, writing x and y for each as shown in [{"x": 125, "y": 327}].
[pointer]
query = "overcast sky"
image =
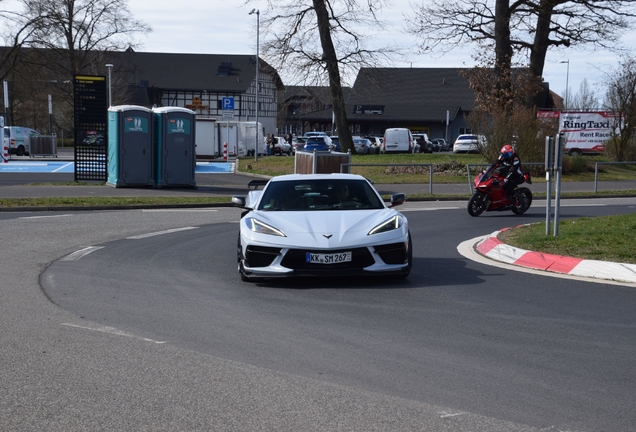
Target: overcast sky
[{"x": 225, "y": 27}]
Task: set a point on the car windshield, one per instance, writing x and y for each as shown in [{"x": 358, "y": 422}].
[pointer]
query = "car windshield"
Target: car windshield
[
  {"x": 328, "y": 194},
  {"x": 315, "y": 140}
]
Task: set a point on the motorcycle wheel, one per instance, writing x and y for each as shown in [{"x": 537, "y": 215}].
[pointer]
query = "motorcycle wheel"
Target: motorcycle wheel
[
  {"x": 524, "y": 196},
  {"x": 477, "y": 204}
]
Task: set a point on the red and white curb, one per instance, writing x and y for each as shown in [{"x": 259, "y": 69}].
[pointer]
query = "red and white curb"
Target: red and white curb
[{"x": 495, "y": 249}]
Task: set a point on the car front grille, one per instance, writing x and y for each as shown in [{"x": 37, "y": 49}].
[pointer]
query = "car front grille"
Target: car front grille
[
  {"x": 260, "y": 256},
  {"x": 295, "y": 259},
  {"x": 394, "y": 253}
]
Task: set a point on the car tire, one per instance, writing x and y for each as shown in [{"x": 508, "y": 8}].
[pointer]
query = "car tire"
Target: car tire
[
  {"x": 20, "y": 151},
  {"x": 410, "y": 258}
]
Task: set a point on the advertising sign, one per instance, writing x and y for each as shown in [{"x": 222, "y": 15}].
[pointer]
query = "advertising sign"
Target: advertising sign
[
  {"x": 586, "y": 131},
  {"x": 90, "y": 100}
]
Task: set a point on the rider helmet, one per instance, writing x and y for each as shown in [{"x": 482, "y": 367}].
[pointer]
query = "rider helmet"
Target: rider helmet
[{"x": 507, "y": 152}]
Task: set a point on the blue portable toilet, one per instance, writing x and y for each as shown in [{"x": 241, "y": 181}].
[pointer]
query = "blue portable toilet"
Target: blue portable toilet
[
  {"x": 130, "y": 146},
  {"x": 174, "y": 136}
]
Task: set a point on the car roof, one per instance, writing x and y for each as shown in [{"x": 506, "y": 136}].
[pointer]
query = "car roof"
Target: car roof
[{"x": 332, "y": 176}]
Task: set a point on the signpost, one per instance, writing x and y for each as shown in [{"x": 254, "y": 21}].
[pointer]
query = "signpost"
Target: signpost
[
  {"x": 228, "y": 108},
  {"x": 228, "y": 114}
]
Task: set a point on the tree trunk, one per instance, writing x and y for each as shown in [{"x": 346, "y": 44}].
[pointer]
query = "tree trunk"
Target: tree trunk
[
  {"x": 503, "y": 51},
  {"x": 335, "y": 87},
  {"x": 541, "y": 42}
]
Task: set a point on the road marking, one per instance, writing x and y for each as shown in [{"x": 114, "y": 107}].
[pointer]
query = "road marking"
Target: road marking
[
  {"x": 427, "y": 209},
  {"x": 445, "y": 414},
  {"x": 81, "y": 253},
  {"x": 113, "y": 331},
  {"x": 63, "y": 166},
  {"x": 142, "y": 236},
  {"x": 179, "y": 210},
  {"x": 42, "y": 217}
]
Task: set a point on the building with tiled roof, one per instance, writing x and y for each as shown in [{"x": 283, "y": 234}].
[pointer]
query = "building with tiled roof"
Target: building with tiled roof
[
  {"x": 199, "y": 82},
  {"x": 421, "y": 99}
]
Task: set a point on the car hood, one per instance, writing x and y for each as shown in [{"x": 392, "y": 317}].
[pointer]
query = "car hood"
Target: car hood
[{"x": 329, "y": 228}]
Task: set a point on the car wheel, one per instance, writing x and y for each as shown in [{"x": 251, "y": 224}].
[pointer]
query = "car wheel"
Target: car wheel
[
  {"x": 20, "y": 151},
  {"x": 575, "y": 152},
  {"x": 239, "y": 258},
  {"x": 410, "y": 259}
]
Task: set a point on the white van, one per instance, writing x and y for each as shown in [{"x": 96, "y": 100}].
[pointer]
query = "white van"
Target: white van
[
  {"x": 397, "y": 140},
  {"x": 18, "y": 139}
]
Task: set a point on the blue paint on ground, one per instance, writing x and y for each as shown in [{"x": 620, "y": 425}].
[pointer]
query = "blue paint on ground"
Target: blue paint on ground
[{"x": 69, "y": 167}]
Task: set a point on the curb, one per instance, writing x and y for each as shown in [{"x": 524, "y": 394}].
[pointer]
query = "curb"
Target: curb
[{"x": 493, "y": 248}]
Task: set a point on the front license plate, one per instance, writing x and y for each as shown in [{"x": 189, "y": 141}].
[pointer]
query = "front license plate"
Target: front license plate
[{"x": 334, "y": 258}]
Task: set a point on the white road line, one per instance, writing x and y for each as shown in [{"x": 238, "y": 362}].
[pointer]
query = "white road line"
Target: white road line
[
  {"x": 179, "y": 210},
  {"x": 445, "y": 414},
  {"x": 42, "y": 217},
  {"x": 81, "y": 253},
  {"x": 427, "y": 209},
  {"x": 113, "y": 331},
  {"x": 63, "y": 166},
  {"x": 141, "y": 236}
]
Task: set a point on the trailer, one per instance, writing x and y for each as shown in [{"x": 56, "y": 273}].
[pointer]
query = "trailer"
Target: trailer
[
  {"x": 240, "y": 137},
  {"x": 206, "y": 142},
  {"x": 586, "y": 132}
]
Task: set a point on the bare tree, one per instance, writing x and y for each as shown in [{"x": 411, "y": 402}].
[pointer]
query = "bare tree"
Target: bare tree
[
  {"x": 318, "y": 41},
  {"x": 620, "y": 99},
  {"x": 585, "y": 99},
  {"x": 525, "y": 28},
  {"x": 71, "y": 31},
  {"x": 53, "y": 40}
]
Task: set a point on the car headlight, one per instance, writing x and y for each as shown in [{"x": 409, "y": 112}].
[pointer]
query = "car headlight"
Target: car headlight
[
  {"x": 260, "y": 227},
  {"x": 388, "y": 225}
]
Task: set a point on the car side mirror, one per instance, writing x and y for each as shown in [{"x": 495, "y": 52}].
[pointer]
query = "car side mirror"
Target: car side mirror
[
  {"x": 398, "y": 199},
  {"x": 238, "y": 201}
]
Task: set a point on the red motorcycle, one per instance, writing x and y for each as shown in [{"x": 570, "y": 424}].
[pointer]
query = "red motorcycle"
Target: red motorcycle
[{"x": 490, "y": 194}]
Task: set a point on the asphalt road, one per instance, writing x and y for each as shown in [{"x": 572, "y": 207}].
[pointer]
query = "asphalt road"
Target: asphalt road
[{"x": 158, "y": 333}]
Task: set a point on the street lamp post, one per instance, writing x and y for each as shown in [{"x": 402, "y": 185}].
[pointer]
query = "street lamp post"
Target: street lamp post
[
  {"x": 258, "y": 16},
  {"x": 110, "y": 85},
  {"x": 567, "y": 78}
]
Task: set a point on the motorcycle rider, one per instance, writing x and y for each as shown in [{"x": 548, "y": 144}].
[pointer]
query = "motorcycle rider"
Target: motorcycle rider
[{"x": 509, "y": 165}]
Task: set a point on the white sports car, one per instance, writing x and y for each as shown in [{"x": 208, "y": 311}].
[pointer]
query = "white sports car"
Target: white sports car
[{"x": 321, "y": 225}]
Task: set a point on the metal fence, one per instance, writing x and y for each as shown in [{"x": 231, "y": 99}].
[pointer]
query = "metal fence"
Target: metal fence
[
  {"x": 342, "y": 165},
  {"x": 43, "y": 146},
  {"x": 606, "y": 163},
  {"x": 470, "y": 175}
]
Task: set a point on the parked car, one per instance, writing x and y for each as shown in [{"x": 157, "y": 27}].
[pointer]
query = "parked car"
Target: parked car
[
  {"x": 18, "y": 139},
  {"x": 317, "y": 143},
  {"x": 424, "y": 145},
  {"x": 314, "y": 134},
  {"x": 440, "y": 144},
  {"x": 282, "y": 147},
  {"x": 362, "y": 145},
  {"x": 469, "y": 143},
  {"x": 376, "y": 144},
  {"x": 335, "y": 144},
  {"x": 397, "y": 140},
  {"x": 298, "y": 143}
]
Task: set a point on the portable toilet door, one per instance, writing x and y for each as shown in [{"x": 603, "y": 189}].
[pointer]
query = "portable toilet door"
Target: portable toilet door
[
  {"x": 175, "y": 146},
  {"x": 130, "y": 146}
]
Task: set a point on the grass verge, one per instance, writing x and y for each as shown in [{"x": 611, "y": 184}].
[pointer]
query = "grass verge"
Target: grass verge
[{"x": 604, "y": 238}]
